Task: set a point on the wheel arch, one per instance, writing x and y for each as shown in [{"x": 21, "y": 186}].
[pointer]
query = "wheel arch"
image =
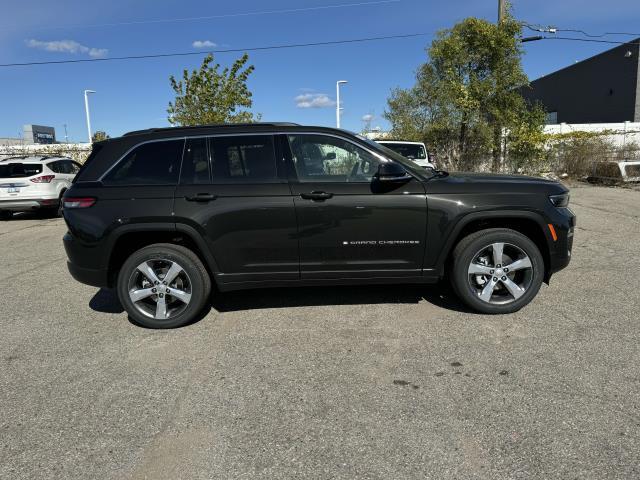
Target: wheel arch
[
  {"x": 130, "y": 238},
  {"x": 530, "y": 224}
]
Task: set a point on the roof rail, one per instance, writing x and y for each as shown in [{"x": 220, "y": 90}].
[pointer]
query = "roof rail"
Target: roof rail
[{"x": 163, "y": 129}]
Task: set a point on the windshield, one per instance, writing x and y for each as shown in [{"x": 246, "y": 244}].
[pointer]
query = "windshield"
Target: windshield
[
  {"x": 421, "y": 172},
  {"x": 19, "y": 170},
  {"x": 408, "y": 150}
]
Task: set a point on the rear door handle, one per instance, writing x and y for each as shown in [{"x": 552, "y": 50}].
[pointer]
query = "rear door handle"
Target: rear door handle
[
  {"x": 316, "y": 196},
  {"x": 201, "y": 197}
]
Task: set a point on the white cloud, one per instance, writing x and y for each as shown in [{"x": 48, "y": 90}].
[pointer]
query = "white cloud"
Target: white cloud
[
  {"x": 368, "y": 117},
  {"x": 314, "y": 100},
  {"x": 203, "y": 44},
  {"x": 66, "y": 46}
]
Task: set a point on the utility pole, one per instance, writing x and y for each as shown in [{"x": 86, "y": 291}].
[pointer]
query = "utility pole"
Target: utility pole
[
  {"x": 66, "y": 137},
  {"x": 86, "y": 109},
  {"x": 500, "y": 11},
  {"x": 338, "y": 107}
]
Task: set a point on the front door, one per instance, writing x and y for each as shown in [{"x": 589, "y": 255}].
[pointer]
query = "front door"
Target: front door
[
  {"x": 349, "y": 224},
  {"x": 236, "y": 195}
]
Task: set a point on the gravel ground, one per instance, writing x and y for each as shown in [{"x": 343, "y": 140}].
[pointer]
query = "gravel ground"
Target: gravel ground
[{"x": 366, "y": 382}]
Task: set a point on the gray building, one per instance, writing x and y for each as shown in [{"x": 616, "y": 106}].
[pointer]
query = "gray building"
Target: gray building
[
  {"x": 601, "y": 89},
  {"x": 39, "y": 134}
]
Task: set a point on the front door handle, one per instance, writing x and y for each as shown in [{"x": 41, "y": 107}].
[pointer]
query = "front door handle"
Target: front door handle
[
  {"x": 321, "y": 196},
  {"x": 201, "y": 197}
]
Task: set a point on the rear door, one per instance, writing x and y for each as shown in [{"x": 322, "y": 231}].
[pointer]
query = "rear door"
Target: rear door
[
  {"x": 351, "y": 226},
  {"x": 139, "y": 188},
  {"x": 234, "y": 192}
]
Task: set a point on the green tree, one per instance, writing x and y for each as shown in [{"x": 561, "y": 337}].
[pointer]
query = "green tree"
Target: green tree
[
  {"x": 466, "y": 101},
  {"x": 99, "y": 135},
  {"x": 209, "y": 95}
]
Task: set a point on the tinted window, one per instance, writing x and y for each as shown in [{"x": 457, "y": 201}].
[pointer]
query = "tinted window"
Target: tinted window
[
  {"x": 195, "y": 162},
  {"x": 17, "y": 170},
  {"x": 75, "y": 167},
  {"x": 408, "y": 150},
  {"x": 154, "y": 163},
  {"x": 319, "y": 158},
  {"x": 61, "y": 166},
  {"x": 244, "y": 159},
  {"x": 54, "y": 167}
]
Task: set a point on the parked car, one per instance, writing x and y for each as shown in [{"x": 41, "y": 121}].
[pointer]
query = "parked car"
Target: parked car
[
  {"x": 34, "y": 183},
  {"x": 415, "y": 151},
  {"x": 161, "y": 214}
]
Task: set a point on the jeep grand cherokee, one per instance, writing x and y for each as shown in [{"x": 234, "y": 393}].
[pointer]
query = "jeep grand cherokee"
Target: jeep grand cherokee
[{"x": 161, "y": 214}]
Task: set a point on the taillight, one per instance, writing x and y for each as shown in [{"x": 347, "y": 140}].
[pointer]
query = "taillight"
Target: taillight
[
  {"x": 43, "y": 179},
  {"x": 78, "y": 202}
]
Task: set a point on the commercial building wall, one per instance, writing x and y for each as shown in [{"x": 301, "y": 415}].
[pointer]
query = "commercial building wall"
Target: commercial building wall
[{"x": 601, "y": 89}]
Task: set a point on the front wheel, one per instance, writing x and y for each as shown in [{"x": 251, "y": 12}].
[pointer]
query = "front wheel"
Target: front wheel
[
  {"x": 497, "y": 270},
  {"x": 163, "y": 286}
]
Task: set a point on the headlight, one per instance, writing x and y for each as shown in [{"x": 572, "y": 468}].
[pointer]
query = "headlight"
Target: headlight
[{"x": 560, "y": 201}]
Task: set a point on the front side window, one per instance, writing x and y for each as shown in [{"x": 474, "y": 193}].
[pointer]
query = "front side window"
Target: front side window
[
  {"x": 195, "y": 162},
  {"x": 154, "y": 163},
  {"x": 320, "y": 158},
  {"x": 244, "y": 159}
]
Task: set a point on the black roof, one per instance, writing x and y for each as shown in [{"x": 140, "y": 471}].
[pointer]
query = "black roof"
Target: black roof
[{"x": 211, "y": 125}]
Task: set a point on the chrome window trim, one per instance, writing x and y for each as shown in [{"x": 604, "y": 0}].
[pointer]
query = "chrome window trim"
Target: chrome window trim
[{"x": 243, "y": 134}]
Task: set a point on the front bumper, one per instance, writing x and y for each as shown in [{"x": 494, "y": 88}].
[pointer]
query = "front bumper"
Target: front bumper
[{"x": 564, "y": 224}]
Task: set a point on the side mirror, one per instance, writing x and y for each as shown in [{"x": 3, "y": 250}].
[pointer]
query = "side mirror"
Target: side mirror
[
  {"x": 330, "y": 156},
  {"x": 392, "y": 172}
]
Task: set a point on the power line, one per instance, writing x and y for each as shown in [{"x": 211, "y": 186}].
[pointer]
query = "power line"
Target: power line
[
  {"x": 551, "y": 29},
  {"x": 226, "y": 15},
  {"x": 591, "y": 40},
  {"x": 229, "y": 50}
]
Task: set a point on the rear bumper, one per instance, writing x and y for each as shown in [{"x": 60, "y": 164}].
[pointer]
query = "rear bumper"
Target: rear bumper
[
  {"x": 82, "y": 263},
  {"x": 88, "y": 276},
  {"x": 22, "y": 205}
]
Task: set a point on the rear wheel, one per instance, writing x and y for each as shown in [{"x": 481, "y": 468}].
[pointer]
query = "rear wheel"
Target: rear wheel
[
  {"x": 163, "y": 286},
  {"x": 6, "y": 214},
  {"x": 497, "y": 270}
]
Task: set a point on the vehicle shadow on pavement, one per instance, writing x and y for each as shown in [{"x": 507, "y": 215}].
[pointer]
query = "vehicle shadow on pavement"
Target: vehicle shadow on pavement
[
  {"x": 106, "y": 301},
  {"x": 440, "y": 295}
]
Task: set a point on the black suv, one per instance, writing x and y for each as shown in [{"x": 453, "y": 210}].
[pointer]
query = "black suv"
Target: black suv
[{"x": 160, "y": 214}]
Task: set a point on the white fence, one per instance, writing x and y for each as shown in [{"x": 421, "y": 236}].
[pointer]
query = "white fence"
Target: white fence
[
  {"x": 620, "y": 134},
  {"x": 77, "y": 151}
]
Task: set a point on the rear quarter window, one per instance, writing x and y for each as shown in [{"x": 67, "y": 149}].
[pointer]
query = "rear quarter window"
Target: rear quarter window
[{"x": 153, "y": 163}]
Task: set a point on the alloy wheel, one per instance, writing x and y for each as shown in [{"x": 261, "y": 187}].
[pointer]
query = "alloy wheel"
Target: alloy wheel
[
  {"x": 500, "y": 273},
  {"x": 160, "y": 289}
]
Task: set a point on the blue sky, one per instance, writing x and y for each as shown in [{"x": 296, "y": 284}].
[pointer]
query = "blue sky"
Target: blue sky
[{"x": 135, "y": 94}]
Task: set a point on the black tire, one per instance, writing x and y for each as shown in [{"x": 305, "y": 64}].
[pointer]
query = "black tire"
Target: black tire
[
  {"x": 197, "y": 275},
  {"x": 6, "y": 214},
  {"x": 467, "y": 249}
]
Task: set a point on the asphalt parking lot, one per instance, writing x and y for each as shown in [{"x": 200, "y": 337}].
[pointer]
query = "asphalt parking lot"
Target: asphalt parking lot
[{"x": 366, "y": 382}]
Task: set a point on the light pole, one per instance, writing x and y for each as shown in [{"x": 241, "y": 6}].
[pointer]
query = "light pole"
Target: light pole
[
  {"x": 338, "y": 107},
  {"x": 86, "y": 109}
]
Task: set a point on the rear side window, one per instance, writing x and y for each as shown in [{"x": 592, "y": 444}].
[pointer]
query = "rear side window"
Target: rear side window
[
  {"x": 195, "y": 162},
  {"x": 154, "y": 163},
  {"x": 244, "y": 159},
  {"x": 18, "y": 170}
]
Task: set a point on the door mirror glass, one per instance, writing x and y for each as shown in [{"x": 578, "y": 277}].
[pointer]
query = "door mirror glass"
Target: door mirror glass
[{"x": 392, "y": 172}]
